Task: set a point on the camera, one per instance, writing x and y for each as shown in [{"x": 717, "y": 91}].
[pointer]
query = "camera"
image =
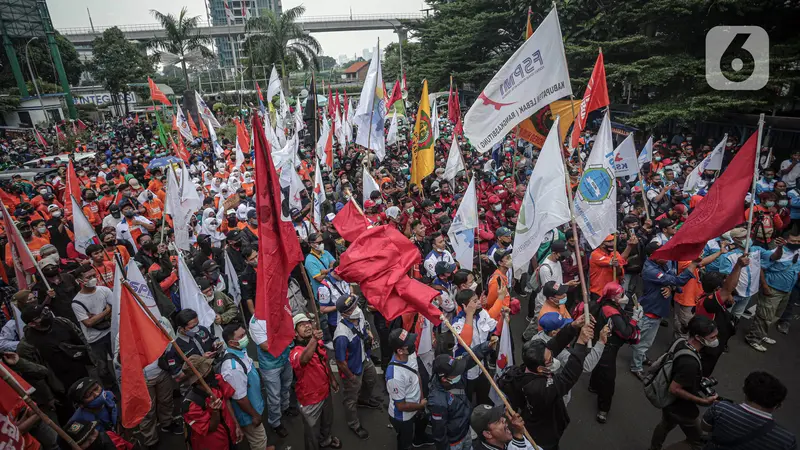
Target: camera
[{"x": 707, "y": 386}]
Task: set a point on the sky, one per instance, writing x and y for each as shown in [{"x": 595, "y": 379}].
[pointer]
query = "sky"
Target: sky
[{"x": 72, "y": 13}]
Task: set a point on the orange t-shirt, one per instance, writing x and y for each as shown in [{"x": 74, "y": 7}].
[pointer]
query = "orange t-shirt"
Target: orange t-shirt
[
  {"x": 692, "y": 290},
  {"x": 600, "y": 270},
  {"x": 105, "y": 273},
  {"x": 92, "y": 212},
  {"x": 34, "y": 245},
  {"x": 548, "y": 308}
]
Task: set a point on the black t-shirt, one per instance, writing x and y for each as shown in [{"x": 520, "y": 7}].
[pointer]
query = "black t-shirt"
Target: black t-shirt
[{"x": 686, "y": 371}]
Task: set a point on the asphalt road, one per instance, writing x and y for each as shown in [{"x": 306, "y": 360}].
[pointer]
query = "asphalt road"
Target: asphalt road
[{"x": 632, "y": 418}]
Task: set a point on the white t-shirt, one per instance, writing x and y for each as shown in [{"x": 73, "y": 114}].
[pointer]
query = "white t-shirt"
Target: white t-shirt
[
  {"x": 403, "y": 386},
  {"x": 790, "y": 177},
  {"x": 548, "y": 271},
  {"x": 95, "y": 303},
  {"x": 237, "y": 377}
]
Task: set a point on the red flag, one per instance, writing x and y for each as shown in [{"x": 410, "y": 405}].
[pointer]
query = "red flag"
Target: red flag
[
  {"x": 204, "y": 129},
  {"x": 40, "y": 139},
  {"x": 350, "y": 222},
  {"x": 192, "y": 126},
  {"x": 717, "y": 212},
  {"x": 451, "y": 112},
  {"x": 278, "y": 248},
  {"x": 156, "y": 94},
  {"x": 179, "y": 149},
  {"x": 9, "y": 399},
  {"x": 81, "y": 125},
  {"x": 175, "y": 123},
  {"x": 379, "y": 261},
  {"x": 60, "y": 134},
  {"x": 396, "y": 95},
  {"x": 74, "y": 129},
  {"x": 140, "y": 343},
  {"x": 258, "y": 89},
  {"x": 404, "y": 87},
  {"x": 459, "y": 129},
  {"x": 345, "y": 103},
  {"x": 135, "y": 118},
  {"x": 242, "y": 136},
  {"x": 338, "y": 104},
  {"x": 73, "y": 185},
  {"x": 329, "y": 147},
  {"x": 529, "y": 28},
  {"x": 21, "y": 254},
  {"x": 596, "y": 96}
]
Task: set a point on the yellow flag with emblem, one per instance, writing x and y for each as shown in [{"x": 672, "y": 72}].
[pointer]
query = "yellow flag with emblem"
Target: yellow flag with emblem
[{"x": 422, "y": 160}]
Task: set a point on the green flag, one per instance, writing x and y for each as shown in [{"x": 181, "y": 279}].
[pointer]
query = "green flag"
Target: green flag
[{"x": 162, "y": 134}]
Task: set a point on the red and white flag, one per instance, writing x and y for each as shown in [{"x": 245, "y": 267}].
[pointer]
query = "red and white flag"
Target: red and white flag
[
  {"x": 20, "y": 253},
  {"x": 505, "y": 359},
  {"x": 82, "y": 229}
]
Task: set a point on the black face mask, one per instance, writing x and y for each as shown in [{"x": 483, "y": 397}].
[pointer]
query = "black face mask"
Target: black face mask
[
  {"x": 232, "y": 222},
  {"x": 46, "y": 322},
  {"x": 205, "y": 246},
  {"x": 50, "y": 271},
  {"x": 27, "y": 234},
  {"x": 129, "y": 214},
  {"x": 115, "y": 214},
  {"x": 211, "y": 379},
  {"x": 214, "y": 274}
]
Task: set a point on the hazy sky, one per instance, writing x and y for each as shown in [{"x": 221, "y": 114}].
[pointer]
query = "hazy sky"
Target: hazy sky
[{"x": 72, "y": 13}]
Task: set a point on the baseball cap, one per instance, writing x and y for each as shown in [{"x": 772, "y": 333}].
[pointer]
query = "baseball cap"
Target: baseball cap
[
  {"x": 485, "y": 415},
  {"x": 553, "y": 321},
  {"x": 52, "y": 208},
  {"x": 609, "y": 238},
  {"x": 346, "y": 303},
  {"x": 503, "y": 232},
  {"x": 298, "y": 318},
  {"x": 233, "y": 235},
  {"x": 134, "y": 183},
  {"x": 209, "y": 265},
  {"x": 79, "y": 389},
  {"x": 447, "y": 366},
  {"x": 31, "y": 313},
  {"x": 500, "y": 254},
  {"x": 561, "y": 248},
  {"x": 552, "y": 288},
  {"x": 80, "y": 430},
  {"x": 399, "y": 338},
  {"x": 443, "y": 267}
]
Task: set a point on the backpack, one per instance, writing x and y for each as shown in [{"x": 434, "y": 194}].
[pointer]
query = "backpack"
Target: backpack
[
  {"x": 658, "y": 378},
  {"x": 535, "y": 282}
]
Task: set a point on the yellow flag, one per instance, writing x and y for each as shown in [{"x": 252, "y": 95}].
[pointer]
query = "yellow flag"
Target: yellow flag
[{"x": 422, "y": 159}]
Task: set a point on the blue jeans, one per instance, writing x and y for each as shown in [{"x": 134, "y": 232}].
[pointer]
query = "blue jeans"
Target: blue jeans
[
  {"x": 739, "y": 306},
  {"x": 648, "y": 328},
  {"x": 278, "y": 384}
]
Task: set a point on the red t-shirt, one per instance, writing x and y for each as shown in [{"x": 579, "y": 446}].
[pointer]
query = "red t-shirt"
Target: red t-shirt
[
  {"x": 312, "y": 384},
  {"x": 199, "y": 419}
]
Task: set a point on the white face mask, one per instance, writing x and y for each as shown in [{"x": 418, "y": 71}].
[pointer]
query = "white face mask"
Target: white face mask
[
  {"x": 320, "y": 247},
  {"x": 623, "y": 301},
  {"x": 710, "y": 344},
  {"x": 209, "y": 297},
  {"x": 497, "y": 207},
  {"x": 554, "y": 367},
  {"x": 455, "y": 379},
  {"x": 91, "y": 282},
  {"x": 56, "y": 214},
  {"x": 356, "y": 314},
  {"x": 473, "y": 286},
  {"x": 41, "y": 230}
]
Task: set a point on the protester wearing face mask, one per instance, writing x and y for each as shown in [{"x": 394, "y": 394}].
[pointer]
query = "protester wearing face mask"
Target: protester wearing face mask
[
  {"x": 94, "y": 404},
  {"x": 92, "y": 308},
  {"x": 352, "y": 344},
  {"x": 604, "y": 261},
  {"x": 498, "y": 429},
  {"x": 222, "y": 305},
  {"x": 331, "y": 288},
  {"x": 34, "y": 242},
  {"x": 750, "y": 278},
  {"x": 239, "y": 371},
  {"x": 533, "y": 382},
  {"x": 438, "y": 253},
  {"x": 133, "y": 225},
  {"x": 193, "y": 339},
  {"x": 686, "y": 375},
  {"x": 475, "y": 326},
  {"x": 767, "y": 221},
  {"x": 551, "y": 270},
  {"x": 85, "y": 434},
  {"x": 318, "y": 262}
]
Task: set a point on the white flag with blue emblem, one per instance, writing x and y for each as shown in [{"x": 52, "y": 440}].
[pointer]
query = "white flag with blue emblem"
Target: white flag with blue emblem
[
  {"x": 596, "y": 199},
  {"x": 545, "y": 205},
  {"x": 625, "y": 163},
  {"x": 462, "y": 230},
  {"x": 647, "y": 152}
]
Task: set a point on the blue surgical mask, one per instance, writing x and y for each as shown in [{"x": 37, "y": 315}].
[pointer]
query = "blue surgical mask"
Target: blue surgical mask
[
  {"x": 191, "y": 333},
  {"x": 563, "y": 301},
  {"x": 97, "y": 402},
  {"x": 455, "y": 379}
]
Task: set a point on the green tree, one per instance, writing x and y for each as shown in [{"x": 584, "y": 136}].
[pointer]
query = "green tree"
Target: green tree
[
  {"x": 118, "y": 62},
  {"x": 183, "y": 39},
  {"x": 278, "y": 39},
  {"x": 325, "y": 62},
  {"x": 42, "y": 62}
]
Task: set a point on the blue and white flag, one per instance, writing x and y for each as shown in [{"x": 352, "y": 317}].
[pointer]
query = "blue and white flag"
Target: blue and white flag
[
  {"x": 647, "y": 152},
  {"x": 596, "y": 199},
  {"x": 319, "y": 196},
  {"x": 625, "y": 163},
  {"x": 711, "y": 162},
  {"x": 462, "y": 230},
  {"x": 371, "y": 112}
]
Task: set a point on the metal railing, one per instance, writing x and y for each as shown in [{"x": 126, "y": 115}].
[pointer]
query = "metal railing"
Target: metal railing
[{"x": 313, "y": 19}]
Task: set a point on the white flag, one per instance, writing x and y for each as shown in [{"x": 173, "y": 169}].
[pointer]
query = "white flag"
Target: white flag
[
  {"x": 183, "y": 125},
  {"x": 213, "y": 135},
  {"x": 647, "y": 152},
  {"x": 272, "y": 138},
  {"x": 596, "y": 199},
  {"x": 319, "y": 196},
  {"x": 625, "y": 162},
  {"x": 714, "y": 159},
  {"x": 182, "y": 202},
  {"x": 505, "y": 359},
  {"x": 368, "y": 185},
  {"x": 531, "y": 79},
  {"x": 462, "y": 230},
  {"x": 283, "y": 110},
  {"x": 323, "y": 140},
  {"x": 116, "y": 293},
  {"x": 82, "y": 229},
  {"x": 139, "y": 285},
  {"x": 455, "y": 163},
  {"x": 232, "y": 280},
  {"x": 371, "y": 112},
  {"x": 545, "y": 205},
  {"x": 205, "y": 112},
  {"x": 191, "y": 295},
  {"x": 391, "y": 135},
  {"x": 239, "y": 156},
  {"x": 435, "y": 120},
  {"x": 348, "y": 131},
  {"x": 341, "y": 136},
  {"x": 274, "y": 85},
  {"x": 298, "y": 117}
]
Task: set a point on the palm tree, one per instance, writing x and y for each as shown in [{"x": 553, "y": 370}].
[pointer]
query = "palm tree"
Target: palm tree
[
  {"x": 280, "y": 40},
  {"x": 183, "y": 39}
]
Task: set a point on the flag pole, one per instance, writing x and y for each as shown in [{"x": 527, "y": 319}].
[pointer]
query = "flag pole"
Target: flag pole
[
  {"x": 8, "y": 378},
  {"x": 19, "y": 239},
  {"x": 644, "y": 194},
  {"x": 485, "y": 373},
  {"x": 175, "y": 346},
  {"x": 372, "y": 102},
  {"x": 313, "y": 302},
  {"x": 579, "y": 261},
  {"x": 755, "y": 178}
]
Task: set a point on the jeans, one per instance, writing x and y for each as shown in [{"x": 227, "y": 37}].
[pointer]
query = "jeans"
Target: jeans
[
  {"x": 464, "y": 444},
  {"x": 278, "y": 383},
  {"x": 648, "y": 328},
  {"x": 739, "y": 306}
]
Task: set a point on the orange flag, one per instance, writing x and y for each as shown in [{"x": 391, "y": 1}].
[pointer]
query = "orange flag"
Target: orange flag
[
  {"x": 192, "y": 126},
  {"x": 73, "y": 190},
  {"x": 529, "y": 28},
  {"x": 203, "y": 129},
  {"x": 140, "y": 343},
  {"x": 156, "y": 94},
  {"x": 242, "y": 136}
]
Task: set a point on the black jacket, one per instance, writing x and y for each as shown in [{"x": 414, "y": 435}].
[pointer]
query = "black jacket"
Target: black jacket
[{"x": 540, "y": 398}]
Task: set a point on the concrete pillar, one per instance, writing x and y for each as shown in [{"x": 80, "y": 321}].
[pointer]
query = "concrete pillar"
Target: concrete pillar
[{"x": 402, "y": 34}]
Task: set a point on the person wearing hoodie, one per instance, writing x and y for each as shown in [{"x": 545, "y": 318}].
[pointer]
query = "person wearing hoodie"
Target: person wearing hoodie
[{"x": 541, "y": 381}]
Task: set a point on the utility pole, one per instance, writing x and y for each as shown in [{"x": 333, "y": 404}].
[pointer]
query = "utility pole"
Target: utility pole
[{"x": 91, "y": 24}]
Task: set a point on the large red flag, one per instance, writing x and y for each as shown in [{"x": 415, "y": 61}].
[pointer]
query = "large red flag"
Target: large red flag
[
  {"x": 721, "y": 209},
  {"x": 278, "y": 248},
  {"x": 81, "y": 126},
  {"x": 73, "y": 190},
  {"x": 60, "y": 134},
  {"x": 140, "y": 343},
  {"x": 379, "y": 261},
  {"x": 40, "y": 139},
  {"x": 9, "y": 399},
  {"x": 242, "y": 136},
  {"x": 156, "y": 94},
  {"x": 20, "y": 253},
  {"x": 396, "y": 95},
  {"x": 192, "y": 126},
  {"x": 596, "y": 96},
  {"x": 350, "y": 222}
]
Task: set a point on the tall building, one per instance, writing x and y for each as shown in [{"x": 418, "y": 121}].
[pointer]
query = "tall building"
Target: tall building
[
  {"x": 239, "y": 10},
  {"x": 366, "y": 54}
]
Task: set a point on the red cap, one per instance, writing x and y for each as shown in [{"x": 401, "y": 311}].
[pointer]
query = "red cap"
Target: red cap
[{"x": 369, "y": 204}]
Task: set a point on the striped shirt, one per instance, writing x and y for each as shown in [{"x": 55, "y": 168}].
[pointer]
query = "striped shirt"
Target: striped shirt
[{"x": 731, "y": 422}]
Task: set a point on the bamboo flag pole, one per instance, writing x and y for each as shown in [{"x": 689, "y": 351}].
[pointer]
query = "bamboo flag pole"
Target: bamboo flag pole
[
  {"x": 485, "y": 373},
  {"x": 8, "y": 378},
  {"x": 755, "y": 179},
  {"x": 613, "y": 257},
  {"x": 172, "y": 340}
]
